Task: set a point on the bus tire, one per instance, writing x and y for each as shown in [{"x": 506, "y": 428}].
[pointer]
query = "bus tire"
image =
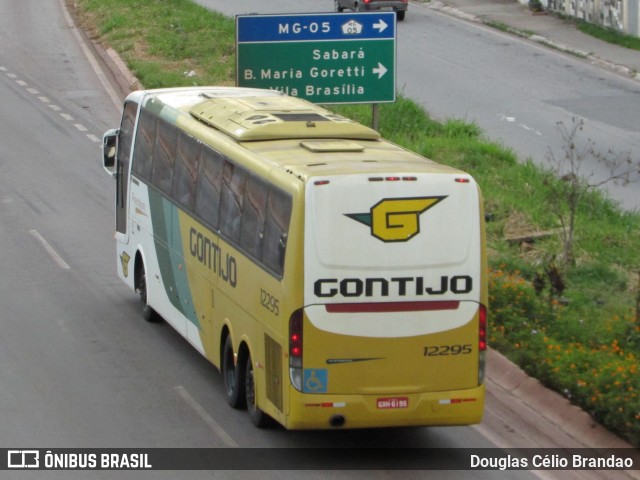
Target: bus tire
[
  {"x": 257, "y": 416},
  {"x": 232, "y": 377},
  {"x": 148, "y": 313}
]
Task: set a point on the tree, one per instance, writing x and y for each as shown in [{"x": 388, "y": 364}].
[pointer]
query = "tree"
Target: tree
[{"x": 568, "y": 193}]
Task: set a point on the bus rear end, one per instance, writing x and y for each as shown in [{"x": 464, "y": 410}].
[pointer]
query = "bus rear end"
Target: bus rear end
[{"x": 393, "y": 329}]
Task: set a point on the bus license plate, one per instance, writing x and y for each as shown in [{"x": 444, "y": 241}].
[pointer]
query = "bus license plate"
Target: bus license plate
[{"x": 393, "y": 402}]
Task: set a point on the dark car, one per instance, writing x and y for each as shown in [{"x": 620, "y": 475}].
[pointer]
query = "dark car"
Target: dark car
[{"x": 398, "y": 6}]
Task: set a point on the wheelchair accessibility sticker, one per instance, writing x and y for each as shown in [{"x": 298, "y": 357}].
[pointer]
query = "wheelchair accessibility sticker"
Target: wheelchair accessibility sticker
[{"x": 315, "y": 380}]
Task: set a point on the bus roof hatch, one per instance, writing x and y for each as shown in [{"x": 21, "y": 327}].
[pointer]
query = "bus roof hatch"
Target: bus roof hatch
[{"x": 275, "y": 118}]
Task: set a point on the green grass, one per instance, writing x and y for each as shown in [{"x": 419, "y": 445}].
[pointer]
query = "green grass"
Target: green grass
[
  {"x": 584, "y": 343},
  {"x": 610, "y": 35},
  {"x": 163, "y": 41}
]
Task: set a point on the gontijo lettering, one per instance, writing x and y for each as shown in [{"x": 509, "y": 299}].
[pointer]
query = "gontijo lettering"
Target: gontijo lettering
[
  {"x": 383, "y": 287},
  {"x": 210, "y": 255}
]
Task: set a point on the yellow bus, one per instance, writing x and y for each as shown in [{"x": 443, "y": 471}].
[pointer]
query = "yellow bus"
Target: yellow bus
[{"x": 335, "y": 279}]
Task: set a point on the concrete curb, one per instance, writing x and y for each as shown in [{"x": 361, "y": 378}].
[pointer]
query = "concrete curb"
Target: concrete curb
[
  {"x": 568, "y": 417},
  {"x": 134, "y": 83}
]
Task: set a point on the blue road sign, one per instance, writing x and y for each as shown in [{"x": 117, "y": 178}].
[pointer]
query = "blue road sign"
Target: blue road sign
[
  {"x": 325, "y": 58},
  {"x": 302, "y": 27}
]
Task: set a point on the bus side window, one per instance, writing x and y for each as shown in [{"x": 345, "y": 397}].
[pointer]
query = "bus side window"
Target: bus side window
[
  {"x": 276, "y": 228},
  {"x": 185, "y": 172},
  {"x": 253, "y": 211},
  {"x": 125, "y": 135},
  {"x": 233, "y": 184},
  {"x": 164, "y": 155},
  {"x": 145, "y": 138},
  {"x": 209, "y": 186}
]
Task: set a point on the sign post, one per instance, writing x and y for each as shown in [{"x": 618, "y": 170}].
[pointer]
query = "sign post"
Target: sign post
[{"x": 324, "y": 58}]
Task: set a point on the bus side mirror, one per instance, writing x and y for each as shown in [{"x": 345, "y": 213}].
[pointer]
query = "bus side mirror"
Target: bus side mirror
[{"x": 109, "y": 148}]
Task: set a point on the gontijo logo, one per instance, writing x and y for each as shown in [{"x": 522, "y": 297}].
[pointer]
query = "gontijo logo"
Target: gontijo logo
[{"x": 396, "y": 219}]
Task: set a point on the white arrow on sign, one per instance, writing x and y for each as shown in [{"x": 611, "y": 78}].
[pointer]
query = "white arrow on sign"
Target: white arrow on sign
[
  {"x": 380, "y": 70},
  {"x": 381, "y": 26}
]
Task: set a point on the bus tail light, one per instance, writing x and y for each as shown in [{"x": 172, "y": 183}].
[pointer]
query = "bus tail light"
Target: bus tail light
[
  {"x": 482, "y": 342},
  {"x": 295, "y": 349},
  {"x": 482, "y": 330}
]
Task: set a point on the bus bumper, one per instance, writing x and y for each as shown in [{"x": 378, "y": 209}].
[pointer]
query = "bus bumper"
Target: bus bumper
[{"x": 460, "y": 407}]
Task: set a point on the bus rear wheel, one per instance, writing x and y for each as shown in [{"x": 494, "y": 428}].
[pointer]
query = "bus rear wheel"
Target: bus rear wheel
[
  {"x": 257, "y": 416},
  {"x": 232, "y": 377}
]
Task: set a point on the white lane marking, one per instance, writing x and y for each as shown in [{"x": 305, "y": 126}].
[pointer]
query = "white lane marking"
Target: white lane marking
[
  {"x": 54, "y": 107},
  {"x": 57, "y": 258},
  {"x": 510, "y": 119},
  {"x": 208, "y": 419},
  {"x": 530, "y": 129}
]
